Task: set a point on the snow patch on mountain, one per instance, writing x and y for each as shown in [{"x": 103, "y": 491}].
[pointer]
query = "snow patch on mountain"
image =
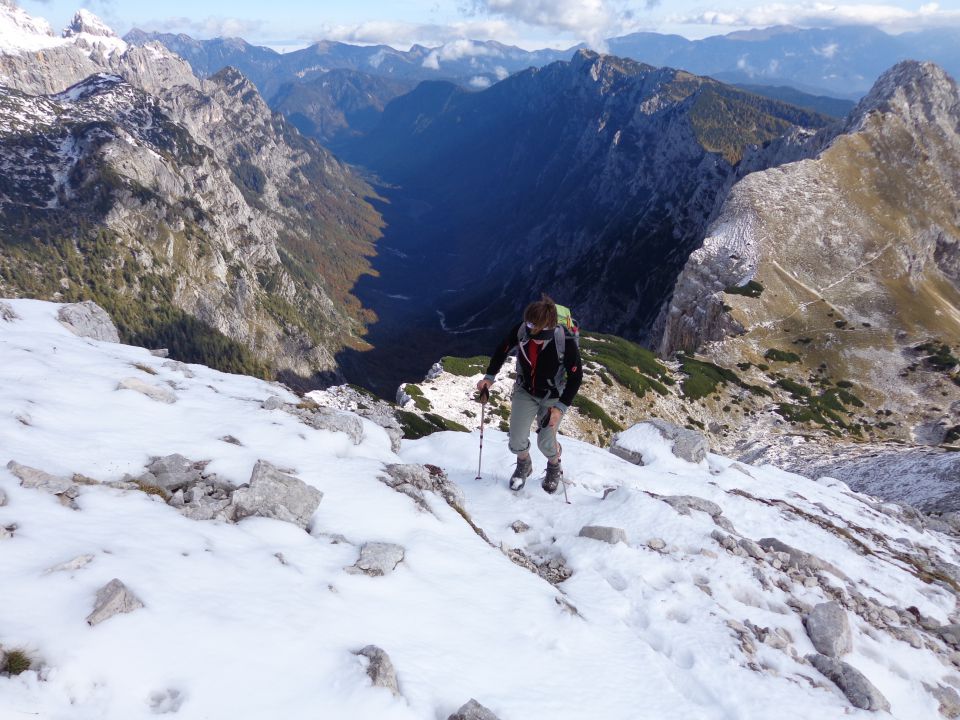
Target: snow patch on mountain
[{"x": 509, "y": 598}]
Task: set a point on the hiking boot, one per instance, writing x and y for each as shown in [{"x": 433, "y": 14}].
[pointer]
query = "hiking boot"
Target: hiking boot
[
  {"x": 553, "y": 478},
  {"x": 521, "y": 473}
]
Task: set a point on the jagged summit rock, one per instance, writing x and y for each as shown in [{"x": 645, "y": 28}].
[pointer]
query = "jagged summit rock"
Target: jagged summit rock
[
  {"x": 911, "y": 89},
  {"x": 85, "y": 22}
]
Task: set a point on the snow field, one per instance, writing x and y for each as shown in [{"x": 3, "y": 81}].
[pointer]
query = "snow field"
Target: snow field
[{"x": 231, "y": 630}]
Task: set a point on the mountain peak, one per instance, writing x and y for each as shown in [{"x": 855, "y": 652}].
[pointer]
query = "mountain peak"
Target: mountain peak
[
  {"x": 910, "y": 88},
  {"x": 20, "y": 31},
  {"x": 85, "y": 22}
]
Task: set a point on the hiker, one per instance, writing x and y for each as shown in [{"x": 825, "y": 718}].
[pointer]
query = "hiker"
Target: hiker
[{"x": 548, "y": 377}]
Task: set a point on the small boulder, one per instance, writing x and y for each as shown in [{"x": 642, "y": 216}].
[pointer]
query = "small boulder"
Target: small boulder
[
  {"x": 3, "y": 498},
  {"x": 380, "y": 669},
  {"x": 413, "y": 480},
  {"x": 172, "y": 472},
  {"x": 113, "y": 599},
  {"x": 274, "y": 494},
  {"x": 473, "y": 710},
  {"x": 686, "y": 444},
  {"x": 829, "y": 629},
  {"x": 859, "y": 690},
  {"x": 657, "y": 544},
  {"x": 605, "y": 534},
  {"x": 273, "y": 403},
  {"x": 39, "y": 480},
  {"x": 519, "y": 526},
  {"x": 154, "y": 392},
  {"x": 324, "y": 418},
  {"x": 89, "y": 320},
  {"x": 160, "y": 353},
  {"x": 683, "y": 504},
  {"x": 948, "y": 698},
  {"x": 7, "y": 313},
  {"x": 377, "y": 559},
  {"x": 76, "y": 563},
  {"x": 752, "y": 548}
]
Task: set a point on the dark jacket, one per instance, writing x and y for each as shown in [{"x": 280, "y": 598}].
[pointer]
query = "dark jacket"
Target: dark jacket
[{"x": 542, "y": 384}]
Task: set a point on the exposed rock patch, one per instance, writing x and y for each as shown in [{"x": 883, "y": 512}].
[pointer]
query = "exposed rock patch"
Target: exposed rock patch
[
  {"x": 30, "y": 477},
  {"x": 154, "y": 392},
  {"x": 829, "y": 629},
  {"x": 7, "y": 313},
  {"x": 377, "y": 559},
  {"x": 859, "y": 690},
  {"x": 380, "y": 669},
  {"x": 275, "y": 494},
  {"x": 114, "y": 598},
  {"x": 89, "y": 320},
  {"x": 473, "y": 710},
  {"x": 605, "y": 534},
  {"x": 414, "y": 480}
]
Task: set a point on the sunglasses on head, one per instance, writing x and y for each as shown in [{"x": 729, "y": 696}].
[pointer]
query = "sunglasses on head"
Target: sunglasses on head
[{"x": 544, "y": 334}]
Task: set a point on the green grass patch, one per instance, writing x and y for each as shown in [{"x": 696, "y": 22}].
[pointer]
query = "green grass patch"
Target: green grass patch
[
  {"x": 634, "y": 367},
  {"x": 465, "y": 367},
  {"x": 704, "y": 377},
  {"x": 16, "y": 662},
  {"x": 938, "y": 355},
  {"x": 752, "y": 289},
  {"x": 588, "y": 408},
  {"x": 781, "y": 356},
  {"x": 414, "y": 426},
  {"x": 794, "y": 388},
  {"x": 445, "y": 423},
  {"x": 419, "y": 400}
]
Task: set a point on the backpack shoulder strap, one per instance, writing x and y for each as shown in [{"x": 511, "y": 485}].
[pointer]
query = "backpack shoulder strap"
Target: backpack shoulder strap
[{"x": 560, "y": 340}]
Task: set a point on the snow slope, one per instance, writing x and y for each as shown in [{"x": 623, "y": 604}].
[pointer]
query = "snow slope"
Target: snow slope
[{"x": 260, "y": 619}]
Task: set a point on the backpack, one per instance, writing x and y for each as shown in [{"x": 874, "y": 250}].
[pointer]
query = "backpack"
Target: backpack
[{"x": 566, "y": 328}]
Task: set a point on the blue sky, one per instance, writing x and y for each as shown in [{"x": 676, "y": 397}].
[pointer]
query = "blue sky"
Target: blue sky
[{"x": 528, "y": 23}]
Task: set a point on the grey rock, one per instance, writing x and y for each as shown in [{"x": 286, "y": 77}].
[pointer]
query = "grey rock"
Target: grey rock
[
  {"x": 274, "y": 494},
  {"x": 40, "y": 480},
  {"x": 683, "y": 504},
  {"x": 5, "y": 533},
  {"x": 160, "y": 352},
  {"x": 800, "y": 559},
  {"x": 323, "y": 418},
  {"x": 3, "y": 498},
  {"x": 154, "y": 392},
  {"x": 89, "y": 320},
  {"x": 656, "y": 544},
  {"x": 113, "y": 599},
  {"x": 948, "y": 698},
  {"x": 829, "y": 629},
  {"x": 273, "y": 403},
  {"x": 907, "y": 635},
  {"x": 377, "y": 559},
  {"x": 380, "y": 669},
  {"x": 76, "y": 563},
  {"x": 687, "y": 445},
  {"x": 413, "y": 480},
  {"x": 605, "y": 534},
  {"x": 950, "y": 634},
  {"x": 859, "y": 690},
  {"x": 179, "y": 367},
  {"x": 172, "y": 472},
  {"x": 7, "y": 313},
  {"x": 553, "y": 570},
  {"x": 752, "y": 548},
  {"x": 473, "y": 710}
]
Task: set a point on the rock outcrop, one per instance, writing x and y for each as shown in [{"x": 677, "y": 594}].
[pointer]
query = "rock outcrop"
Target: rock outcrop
[{"x": 114, "y": 598}]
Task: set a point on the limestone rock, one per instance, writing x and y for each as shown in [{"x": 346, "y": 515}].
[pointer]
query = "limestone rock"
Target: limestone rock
[
  {"x": 859, "y": 690},
  {"x": 656, "y": 544},
  {"x": 377, "y": 559},
  {"x": 752, "y": 548},
  {"x": 172, "y": 472},
  {"x": 948, "y": 698},
  {"x": 687, "y": 445},
  {"x": 473, "y": 710},
  {"x": 323, "y": 418},
  {"x": 89, "y": 320},
  {"x": 7, "y": 313},
  {"x": 113, "y": 599},
  {"x": 829, "y": 629},
  {"x": 274, "y": 494},
  {"x": 3, "y": 498},
  {"x": 273, "y": 403},
  {"x": 154, "y": 392},
  {"x": 683, "y": 504},
  {"x": 40, "y": 480},
  {"x": 413, "y": 480},
  {"x": 800, "y": 559},
  {"x": 605, "y": 534},
  {"x": 518, "y": 526},
  {"x": 76, "y": 563},
  {"x": 380, "y": 669}
]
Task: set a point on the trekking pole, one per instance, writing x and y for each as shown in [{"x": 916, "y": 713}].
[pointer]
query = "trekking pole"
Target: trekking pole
[{"x": 482, "y": 399}]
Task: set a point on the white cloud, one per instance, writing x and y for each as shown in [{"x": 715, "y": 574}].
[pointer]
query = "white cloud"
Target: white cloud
[
  {"x": 590, "y": 20},
  {"x": 820, "y": 14},
  {"x": 208, "y": 27},
  {"x": 404, "y": 34},
  {"x": 480, "y": 82},
  {"x": 828, "y": 51},
  {"x": 501, "y": 72}
]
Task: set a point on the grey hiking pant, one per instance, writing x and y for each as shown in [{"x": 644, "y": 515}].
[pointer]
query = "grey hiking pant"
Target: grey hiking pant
[{"x": 524, "y": 409}]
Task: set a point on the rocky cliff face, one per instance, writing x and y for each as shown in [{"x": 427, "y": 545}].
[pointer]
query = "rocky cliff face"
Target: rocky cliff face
[
  {"x": 199, "y": 218},
  {"x": 847, "y": 259}
]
